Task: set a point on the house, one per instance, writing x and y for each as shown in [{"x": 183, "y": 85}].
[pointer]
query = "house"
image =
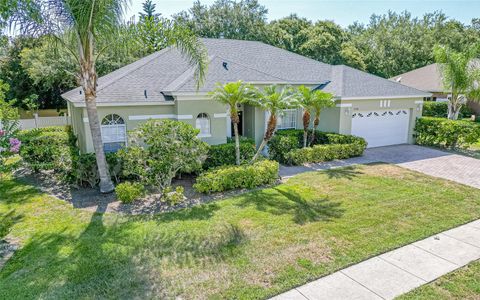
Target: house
[
  {"x": 430, "y": 79},
  {"x": 162, "y": 86}
]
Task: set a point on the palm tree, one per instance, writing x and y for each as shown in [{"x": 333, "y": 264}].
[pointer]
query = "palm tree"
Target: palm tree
[
  {"x": 461, "y": 76},
  {"x": 76, "y": 25},
  {"x": 320, "y": 100},
  {"x": 273, "y": 102},
  {"x": 232, "y": 94}
]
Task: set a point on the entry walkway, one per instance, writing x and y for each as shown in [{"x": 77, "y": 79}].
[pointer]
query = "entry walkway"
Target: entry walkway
[{"x": 399, "y": 271}]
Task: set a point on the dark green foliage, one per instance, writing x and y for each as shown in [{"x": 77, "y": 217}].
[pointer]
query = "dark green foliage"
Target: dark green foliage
[
  {"x": 48, "y": 148},
  {"x": 290, "y": 140},
  {"x": 446, "y": 133},
  {"x": 224, "y": 154},
  {"x": 440, "y": 110},
  {"x": 321, "y": 153},
  {"x": 237, "y": 177},
  {"x": 128, "y": 192}
]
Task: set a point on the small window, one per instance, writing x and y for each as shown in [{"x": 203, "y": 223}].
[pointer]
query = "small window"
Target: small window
[
  {"x": 114, "y": 133},
  {"x": 203, "y": 123},
  {"x": 287, "y": 119}
]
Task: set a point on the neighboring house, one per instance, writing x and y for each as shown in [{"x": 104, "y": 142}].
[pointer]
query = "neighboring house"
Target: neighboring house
[
  {"x": 162, "y": 86},
  {"x": 430, "y": 79}
]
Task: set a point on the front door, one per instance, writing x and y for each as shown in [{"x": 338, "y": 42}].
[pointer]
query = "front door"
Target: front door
[{"x": 240, "y": 124}]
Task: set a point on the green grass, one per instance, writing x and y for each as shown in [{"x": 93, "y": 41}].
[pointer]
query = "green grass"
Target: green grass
[
  {"x": 251, "y": 246},
  {"x": 461, "y": 284}
]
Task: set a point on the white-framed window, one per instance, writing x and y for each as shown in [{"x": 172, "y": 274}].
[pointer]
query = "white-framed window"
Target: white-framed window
[
  {"x": 287, "y": 119},
  {"x": 203, "y": 123},
  {"x": 114, "y": 133}
]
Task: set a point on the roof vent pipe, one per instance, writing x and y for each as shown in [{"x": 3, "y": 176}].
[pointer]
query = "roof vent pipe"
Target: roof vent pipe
[
  {"x": 145, "y": 93},
  {"x": 225, "y": 65}
]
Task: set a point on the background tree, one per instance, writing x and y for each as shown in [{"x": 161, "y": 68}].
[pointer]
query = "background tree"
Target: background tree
[
  {"x": 288, "y": 33},
  {"x": 149, "y": 10},
  {"x": 461, "y": 76},
  {"x": 243, "y": 20},
  {"x": 273, "y": 101},
  {"x": 233, "y": 94}
]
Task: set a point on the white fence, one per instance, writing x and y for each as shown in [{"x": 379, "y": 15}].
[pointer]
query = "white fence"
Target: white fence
[{"x": 40, "y": 122}]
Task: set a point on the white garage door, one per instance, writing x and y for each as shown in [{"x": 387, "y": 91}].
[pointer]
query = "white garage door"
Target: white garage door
[{"x": 382, "y": 127}]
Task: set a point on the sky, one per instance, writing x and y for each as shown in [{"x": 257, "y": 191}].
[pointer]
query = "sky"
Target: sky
[{"x": 343, "y": 12}]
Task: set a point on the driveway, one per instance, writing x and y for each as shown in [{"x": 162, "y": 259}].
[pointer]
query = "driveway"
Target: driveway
[{"x": 437, "y": 163}]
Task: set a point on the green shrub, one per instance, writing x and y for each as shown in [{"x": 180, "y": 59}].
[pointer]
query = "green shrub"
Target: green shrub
[
  {"x": 440, "y": 110},
  {"x": 446, "y": 133},
  {"x": 236, "y": 177},
  {"x": 48, "y": 148},
  {"x": 128, "y": 192},
  {"x": 173, "y": 197},
  {"x": 224, "y": 154},
  {"x": 321, "y": 153},
  {"x": 285, "y": 142},
  {"x": 84, "y": 171}
]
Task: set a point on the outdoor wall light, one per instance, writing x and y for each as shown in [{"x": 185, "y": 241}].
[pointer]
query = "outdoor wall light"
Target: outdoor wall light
[{"x": 347, "y": 111}]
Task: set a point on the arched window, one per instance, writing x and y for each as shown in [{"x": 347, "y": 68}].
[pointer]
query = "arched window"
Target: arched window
[
  {"x": 203, "y": 123},
  {"x": 114, "y": 133}
]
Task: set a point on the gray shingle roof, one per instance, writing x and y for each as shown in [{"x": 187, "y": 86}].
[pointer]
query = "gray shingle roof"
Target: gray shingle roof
[{"x": 250, "y": 61}]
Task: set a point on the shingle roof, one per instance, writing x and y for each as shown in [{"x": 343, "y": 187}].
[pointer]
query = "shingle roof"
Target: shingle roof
[
  {"x": 250, "y": 61},
  {"x": 428, "y": 78}
]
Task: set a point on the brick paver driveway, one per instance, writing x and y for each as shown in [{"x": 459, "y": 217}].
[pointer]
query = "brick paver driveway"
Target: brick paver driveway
[{"x": 459, "y": 168}]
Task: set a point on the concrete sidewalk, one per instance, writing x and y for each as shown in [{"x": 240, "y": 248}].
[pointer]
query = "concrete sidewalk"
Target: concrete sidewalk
[{"x": 399, "y": 271}]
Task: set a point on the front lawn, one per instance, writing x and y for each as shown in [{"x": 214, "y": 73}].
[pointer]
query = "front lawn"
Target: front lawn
[
  {"x": 460, "y": 284},
  {"x": 250, "y": 246}
]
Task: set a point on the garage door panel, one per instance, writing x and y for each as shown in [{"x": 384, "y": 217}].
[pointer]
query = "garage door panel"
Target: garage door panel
[{"x": 381, "y": 127}]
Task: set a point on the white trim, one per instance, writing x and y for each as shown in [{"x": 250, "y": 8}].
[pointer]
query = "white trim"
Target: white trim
[
  {"x": 224, "y": 115},
  {"x": 344, "y": 105},
  {"x": 204, "y": 135},
  {"x": 148, "y": 117},
  {"x": 103, "y": 104},
  {"x": 85, "y": 120},
  {"x": 383, "y": 97},
  {"x": 418, "y": 102}
]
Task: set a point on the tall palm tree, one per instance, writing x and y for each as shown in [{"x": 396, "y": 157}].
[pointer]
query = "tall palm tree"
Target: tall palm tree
[
  {"x": 274, "y": 101},
  {"x": 460, "y": 75},
  {"x": 76, "y": 25},
  {"x": 232, "y": 94},
  {"x": 320, "y": 100}
]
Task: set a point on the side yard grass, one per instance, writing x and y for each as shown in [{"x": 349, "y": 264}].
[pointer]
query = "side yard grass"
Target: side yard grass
[
  {"x": 460, "y": 284},
  {"x": 247, "y": 247}
]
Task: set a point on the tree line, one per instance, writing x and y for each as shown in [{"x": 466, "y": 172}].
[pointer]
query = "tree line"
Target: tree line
[{"x": 386, "y": 46}]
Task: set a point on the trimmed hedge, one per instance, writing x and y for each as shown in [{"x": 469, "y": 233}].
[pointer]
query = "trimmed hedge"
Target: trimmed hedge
[
  {"x": 224, "y": 154},
  {"x": 446, "y": 133},
  {"x": 320, "y": 153},
  {"x": 236, "y": 177},
  {"x": 48, "y": 148},
  {"x": 440, "y": 110},
  {"x": 286, "y": 147}
]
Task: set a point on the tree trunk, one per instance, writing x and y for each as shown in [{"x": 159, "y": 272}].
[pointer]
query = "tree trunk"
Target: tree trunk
[
  {"x": 453, "y": 110},
  {"x": 315, "y": 126},
  {"x": 235, "y": 121},
  {"x": 306, "y": 124},
  {"x": 271, "y": 126},
  {"x": 88, "y": 78}
]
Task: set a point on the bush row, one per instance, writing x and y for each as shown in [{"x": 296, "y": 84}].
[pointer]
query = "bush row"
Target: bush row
[
  {"x": 285, "y": 145},
  {"x": 235, "y": 177},
  {"x": 320, "y": 153},
  {"x": 446, "y": 133},
  {"x": 224, "y": 154},
  {"x": 440, "y": 110}
]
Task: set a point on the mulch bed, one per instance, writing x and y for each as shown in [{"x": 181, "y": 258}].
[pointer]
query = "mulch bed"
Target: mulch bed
[{"x": 92, "y": 200}]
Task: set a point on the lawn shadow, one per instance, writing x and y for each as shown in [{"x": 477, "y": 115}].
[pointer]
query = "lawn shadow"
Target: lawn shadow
[
  {"x": 344, "y": 172},
  {"x": 289, "y": 202}
]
